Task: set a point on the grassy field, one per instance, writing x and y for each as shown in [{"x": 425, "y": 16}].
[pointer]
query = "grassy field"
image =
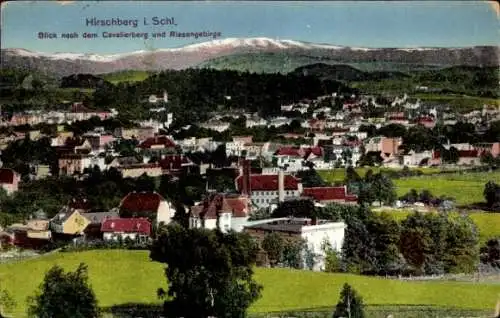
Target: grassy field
[
  {"x": 487, "y": 223},
  {"x": 338, "y": 175},
  {"x": 459, "y": 103},
  {"x": 284, "y": 290},
  {"x": 466, "y": 188},
  {"x": 126, "y": 76}
]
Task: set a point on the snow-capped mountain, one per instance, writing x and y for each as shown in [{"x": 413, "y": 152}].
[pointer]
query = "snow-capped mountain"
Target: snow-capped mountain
[{"x": 194, "y": 54}]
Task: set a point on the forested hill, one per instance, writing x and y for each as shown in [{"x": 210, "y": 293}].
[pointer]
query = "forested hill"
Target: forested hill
[
  {"x": 204, "y": 90},
  {"x": 344, "y": 72}
]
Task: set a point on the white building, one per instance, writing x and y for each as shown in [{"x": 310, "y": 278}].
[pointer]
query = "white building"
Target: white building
[
  {"x": 316, "y": 234},
  {"x": 231, "y": 210}
]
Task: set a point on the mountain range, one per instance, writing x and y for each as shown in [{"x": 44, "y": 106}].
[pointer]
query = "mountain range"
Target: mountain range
[{"x": 201, "y": 54}]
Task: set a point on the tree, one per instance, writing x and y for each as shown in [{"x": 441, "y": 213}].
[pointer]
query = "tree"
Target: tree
[
  {"x": 332, "y": 259},
  {"x": 274, "y": 246},
  {"x": 292, "y": 254},
  {"x": 6, "y": 302},
  {"x": 383, "y": 189},
  {"x": 64, "y": 295},
  {"x": 209, "y": 273},
  {"x": 491, "y": 194},
  {"x": 350, "y": 304}
]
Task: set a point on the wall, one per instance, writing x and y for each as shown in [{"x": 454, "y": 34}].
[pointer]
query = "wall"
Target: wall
[
  {"x": 316, "y": 236},
  {"x": 110, "y": 236},
  {"x": 75, "y": 224},
  {"x": 166, "y": 212}
]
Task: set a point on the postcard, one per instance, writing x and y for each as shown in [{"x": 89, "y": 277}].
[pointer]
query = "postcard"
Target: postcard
[{"x": 249, "y": 159}]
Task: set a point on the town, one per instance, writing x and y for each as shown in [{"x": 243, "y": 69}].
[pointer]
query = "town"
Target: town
[{"x": 341, "y": 160}]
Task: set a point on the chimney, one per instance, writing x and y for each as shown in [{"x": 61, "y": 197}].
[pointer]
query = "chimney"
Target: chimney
[
  {"x": 245, "y": 172},
  {"x": 314, "y": 220},
  {"x": 281, "y": 186}
]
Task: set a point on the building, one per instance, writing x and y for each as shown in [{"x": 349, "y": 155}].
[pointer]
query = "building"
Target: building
[
  {"x": 70, "y": 164},
  {"x": 264, "y": 189},
  {"x": 130, "y": 228},
  {"x": 231, "y": 211},
  {"x": 149, "y": 205},
  {"x": 330, "y": 195},
  {"x": 157, "y": 146},
  {"x": 96, "y": 219},
  {"x": 69, "y": 222},
  {"x": 385, "y": 145},
  {"x": 9, "y": 180},
  {"x": 138, "y": 169},
  {"x": 315, "y": 233}
]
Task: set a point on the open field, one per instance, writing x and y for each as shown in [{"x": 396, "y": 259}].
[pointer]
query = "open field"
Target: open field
[
  {"x": 338, "y": 175},
  {"x": 284, "y": 290},
  {"x": 126, "y": 76},
  {"x": 466, "y": 188},
  {"x": 458, "y": 102}
]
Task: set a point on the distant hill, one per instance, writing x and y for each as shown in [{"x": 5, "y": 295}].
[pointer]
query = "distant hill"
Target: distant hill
[
  {"x": 291, "y": 54},
  {"x": 282, "y": 62},
  {"x": 345, "y": 73}
]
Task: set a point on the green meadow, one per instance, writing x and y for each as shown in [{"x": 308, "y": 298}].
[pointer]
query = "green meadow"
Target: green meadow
[
  {"x": 124, "y": 276},
  {"x": 465, "y": 187},
  {"x": 126, "y": 76},
  {"x": 338, "y": 175}
]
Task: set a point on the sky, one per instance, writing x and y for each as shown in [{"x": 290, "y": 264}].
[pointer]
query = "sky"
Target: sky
[{"x": 349, "y": 23}]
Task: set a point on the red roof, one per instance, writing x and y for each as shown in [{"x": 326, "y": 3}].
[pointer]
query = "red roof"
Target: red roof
[
  {"x": 461, "y": 153},
  {"x": 7, "y": 175},
  {"x": 151, "y": 142},
  {"x": 132, "y": 225},
  {"x": 326, "y": 193},
  {"x": 290, "y": 151},
  {"x": 268, "y": 182},
  {"x": 397, "y": 118},
  {"x": 141, "y": 202},
  {"x": 174, "y": 162},
  {"x": 238, "y": 206},
  {"x": 468, "y": 153},
  {"x": 317, "y": 151},
  {"x": 426, "y": 119}
]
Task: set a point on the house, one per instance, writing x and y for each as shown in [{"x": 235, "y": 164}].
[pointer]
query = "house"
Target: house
[
  {"x": 157, "y": 146},
  {"x": 96, "y": 219},
  {"x": 9, "y": 180},
  {"x": 140, "y": 133},
  {"x": 216, "y": 125},
  {"x": 383, "y": 144},
  {"x": 465, "y": 157},
  {"x": 150, "y": 205},
  {"x": 138, "y": 169},
  {"x": 264, "y": 189},
  {"x": 34, "y": 234},
  {"x": 153, "y": 99},
  {"x": 69, "y": 222},
  {"x": 70, "y": 164},
  {"x": 290, "y": 158},
  {"x": 130, "y": 228},
  {"x": 176, "y": 164},
  {"x": 315, "y": 233},
  {"x": 255, "y": 122},
  {"x": 427, "y": 121},
  {"x": 330, "y": 195},
  {"x": 493, "y": 148},
  {"x": 413, "y": 159},
  {"x": 230, "y": 210}
]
